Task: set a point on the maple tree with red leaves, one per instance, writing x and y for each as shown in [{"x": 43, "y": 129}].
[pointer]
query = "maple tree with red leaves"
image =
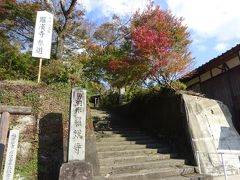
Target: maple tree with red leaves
[
  {"x": 159, "y": 44},
  {"x": 150, "y": 48}
]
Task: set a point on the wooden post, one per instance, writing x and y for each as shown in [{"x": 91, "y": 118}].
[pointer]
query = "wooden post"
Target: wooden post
[
  {"x": 39, "y": 70},
  {"x": 23, "y": 110},
  {"x": 4, "y": 125}
]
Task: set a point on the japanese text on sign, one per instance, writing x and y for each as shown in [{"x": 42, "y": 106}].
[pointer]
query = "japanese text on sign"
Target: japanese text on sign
[
  {"x": 77, "y": 125},
  {"x": 43, "y": 35},
  {"x": 11, "y": 155}
]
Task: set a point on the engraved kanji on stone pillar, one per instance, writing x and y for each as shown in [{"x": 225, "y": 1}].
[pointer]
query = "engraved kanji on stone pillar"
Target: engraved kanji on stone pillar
[{"x": 76, "y": 147}]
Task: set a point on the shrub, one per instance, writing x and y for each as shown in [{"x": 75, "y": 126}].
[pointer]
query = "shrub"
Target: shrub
[
  {"x": 110, "y": 100},
  {"x": 16, "y": 65},
  {"x": 177, "y": 85},
  {"x": 55, "y": 72}
]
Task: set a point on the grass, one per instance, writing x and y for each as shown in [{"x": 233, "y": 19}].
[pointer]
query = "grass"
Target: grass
[
  {"x": 28, "y": 170},
  {"x": 22, "y": 82},
  {"x": 43, "y": 99},
  {"x": 15, "y": 98}
]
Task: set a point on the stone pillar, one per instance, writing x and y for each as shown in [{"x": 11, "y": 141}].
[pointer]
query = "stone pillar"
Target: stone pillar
[
  {"x": 77, "y": 125},
  {"x": 76, "y": 168}
]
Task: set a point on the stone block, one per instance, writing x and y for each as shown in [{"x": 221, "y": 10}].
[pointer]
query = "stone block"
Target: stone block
[{"x": 76, "y": 170}]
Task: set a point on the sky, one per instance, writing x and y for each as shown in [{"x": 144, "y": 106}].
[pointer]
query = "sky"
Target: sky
[{"x": 214, "y": 25}]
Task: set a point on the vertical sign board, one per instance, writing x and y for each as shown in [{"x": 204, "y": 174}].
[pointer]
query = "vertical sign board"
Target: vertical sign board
[
  {"x": 43, "y": 35},
  {"x": 42, "y": 38},
  {"x": 11, "y": 155},
  {"x": 76, "y": 146}
]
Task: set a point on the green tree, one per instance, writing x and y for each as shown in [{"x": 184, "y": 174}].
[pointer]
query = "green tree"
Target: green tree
[
  {"x": 108, "y": 43},
  {"x": 152, "y": 48},
  {"x": 14, "y": 64},
  {"x": 69, "y": 35},
  {"x": 158, "y": 50},
  {"x": 70, "y": 27}
]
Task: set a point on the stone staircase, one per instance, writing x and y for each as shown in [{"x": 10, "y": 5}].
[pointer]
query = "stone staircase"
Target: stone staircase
[{"x": 129, "y": 154}]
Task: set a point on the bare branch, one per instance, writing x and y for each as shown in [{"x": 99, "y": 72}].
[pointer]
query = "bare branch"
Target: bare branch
[
  {"x": 22, "y": 34},
  {"x": 72, "y": 5},
  {"x": 62, "y": 3}
]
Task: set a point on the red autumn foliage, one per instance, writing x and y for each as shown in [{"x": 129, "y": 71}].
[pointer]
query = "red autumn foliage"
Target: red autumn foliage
[
  {"x": 3, "y": 4},
  {"x": 150, "y": 33},
  {"x": 161, "y": 38},
  {"x": 159, "y": 44},
  {"x": 154, "y": 46}
]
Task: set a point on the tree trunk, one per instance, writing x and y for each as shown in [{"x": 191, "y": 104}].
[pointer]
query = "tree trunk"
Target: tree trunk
[{"x": 60, "y": 47}]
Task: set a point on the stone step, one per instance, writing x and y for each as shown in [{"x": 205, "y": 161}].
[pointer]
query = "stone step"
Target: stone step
[
  {"x": 117, "y": 129},
  {"x": 113, "y": 143},
  {"x": 167, "y": 178},
  {"x": 129, "y": 147},
  {"x": 117, "y": 139},
  {"x": 173, "y": 178},
  {"x": 194, "y": 176},
  {"x": 134, "y": 167},
  {"x": 137, "y": 159},
  {"x": 112, "y": 134},
  {"x": 150, "y": 174},
  {"x": 120, "y": 132},
  {"x": 108, "y": 154}
]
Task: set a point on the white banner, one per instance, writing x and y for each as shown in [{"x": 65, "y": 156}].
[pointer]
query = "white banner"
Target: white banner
[{"x": 43, "y": 35}]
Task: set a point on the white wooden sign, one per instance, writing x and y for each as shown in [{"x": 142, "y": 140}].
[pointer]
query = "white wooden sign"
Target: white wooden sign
[
  {"x": 11, "y": 155},
  {"x": 76, "y": 146},
  {"x": 43, "y": 35}
]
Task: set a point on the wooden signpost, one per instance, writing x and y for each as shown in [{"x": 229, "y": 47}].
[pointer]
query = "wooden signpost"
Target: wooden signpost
[
  {"x": 23, "y": 110},
  {"x": 76, "y": 147},
  {"x": 5, "y": 112},
  {"x": 4, "y": 125},
  {"x": 42, "y": 38},
  {"x": 11, "y": 155}
]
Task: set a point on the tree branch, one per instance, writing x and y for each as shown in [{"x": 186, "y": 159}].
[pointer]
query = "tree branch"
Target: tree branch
[
  {"x": 67, "y": 12},
  {"x": 22, "y": 34},
  {"x": 62, "y": 4},
  {"x": 73, "y": 3},
  {"x": 49, "y": 6}
]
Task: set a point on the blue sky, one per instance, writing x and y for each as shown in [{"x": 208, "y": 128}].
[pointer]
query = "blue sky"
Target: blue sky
[{"x": 214, "y": 24}]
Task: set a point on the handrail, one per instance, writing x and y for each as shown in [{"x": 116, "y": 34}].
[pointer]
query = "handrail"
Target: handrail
[
  {"x": 232, "y": 153},
  {"x": 222, "y": 159}
]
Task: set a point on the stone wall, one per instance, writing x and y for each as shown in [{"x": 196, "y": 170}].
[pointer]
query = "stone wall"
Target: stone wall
[
  {"x": 91, "y": 150},
  {"x": 164, "y": 115},
  {"x": 212, "y": 133}
]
